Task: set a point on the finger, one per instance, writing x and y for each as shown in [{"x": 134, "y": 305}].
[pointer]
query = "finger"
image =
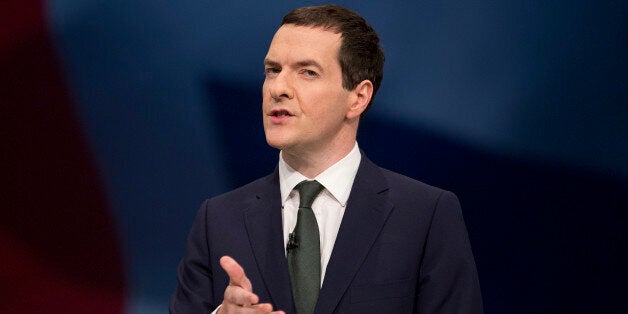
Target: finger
[
  {"x": 238, "y": 296},
  {"x": 241, "y": 310},
  {"x": 264, "y": 307},
  {"x": 267, "y": 308},
  {"x": 236, "y": 273},
  {"x": 254, "y": 309}
]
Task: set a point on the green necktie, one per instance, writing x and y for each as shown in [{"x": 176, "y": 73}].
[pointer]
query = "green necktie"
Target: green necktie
[{"x": 304, "y": 253}]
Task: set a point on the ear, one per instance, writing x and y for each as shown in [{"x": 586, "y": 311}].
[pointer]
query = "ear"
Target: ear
[{"x": 361, "y": 97}]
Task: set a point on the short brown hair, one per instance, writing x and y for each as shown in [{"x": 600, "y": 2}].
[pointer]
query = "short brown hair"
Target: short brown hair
[{"x": 361, "y": 56}]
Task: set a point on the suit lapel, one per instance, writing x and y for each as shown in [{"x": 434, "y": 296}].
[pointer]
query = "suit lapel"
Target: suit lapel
[
  {"x": 366, "y": 213},
  {"x": 264, "y": 227}
]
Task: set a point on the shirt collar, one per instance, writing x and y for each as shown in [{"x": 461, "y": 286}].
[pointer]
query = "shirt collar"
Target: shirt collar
[{"x": 337, "y": 179}]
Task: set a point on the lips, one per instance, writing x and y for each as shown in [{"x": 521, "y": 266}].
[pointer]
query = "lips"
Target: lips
[
  {"x": 279, "y": 116},
  {"x": 280, "y": 113}
]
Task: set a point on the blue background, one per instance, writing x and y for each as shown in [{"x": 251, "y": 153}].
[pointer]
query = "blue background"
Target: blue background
[{"x": 519, "y": 107}]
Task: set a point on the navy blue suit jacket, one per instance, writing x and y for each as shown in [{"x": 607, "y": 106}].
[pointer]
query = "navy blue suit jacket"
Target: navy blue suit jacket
[{"x": 402, "y": 247}]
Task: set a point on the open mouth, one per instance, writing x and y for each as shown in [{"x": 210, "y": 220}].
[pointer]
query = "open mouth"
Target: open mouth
[{"x": 280, "y": 113}]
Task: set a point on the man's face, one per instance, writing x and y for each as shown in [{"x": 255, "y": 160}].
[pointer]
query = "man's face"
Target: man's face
[{"x": 304, "y": 103}]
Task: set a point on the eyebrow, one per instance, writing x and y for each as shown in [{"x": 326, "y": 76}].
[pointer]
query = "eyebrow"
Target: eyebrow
[
  {"x": 303, "y": 63},
  {"x": 271, "y": 63},
  {"x": 307, "y": 63}
]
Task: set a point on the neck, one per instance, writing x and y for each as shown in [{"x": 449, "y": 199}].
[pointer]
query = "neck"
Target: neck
[{"x": 313, "y": 163}]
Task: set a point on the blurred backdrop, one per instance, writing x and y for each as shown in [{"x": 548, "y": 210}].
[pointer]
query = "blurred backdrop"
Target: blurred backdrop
[{"x": 120, "y": 117}]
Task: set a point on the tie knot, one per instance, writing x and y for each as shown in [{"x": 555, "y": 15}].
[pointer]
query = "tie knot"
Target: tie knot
[{"x": 308, "y": 190}]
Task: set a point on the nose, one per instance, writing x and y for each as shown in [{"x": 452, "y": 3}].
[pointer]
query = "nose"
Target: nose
[{"x": 280, "y": 86}]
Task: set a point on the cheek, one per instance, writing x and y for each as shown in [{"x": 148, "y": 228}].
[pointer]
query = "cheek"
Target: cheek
[
  {"x": 322, "y": 97},
  {"x": 266, "y": 101},
  {"x": 265, "y": 90},
  {"x": 338, "y": 104}
]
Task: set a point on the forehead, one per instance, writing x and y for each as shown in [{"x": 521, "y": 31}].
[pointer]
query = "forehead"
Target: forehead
[{"x": 294, "y": 43}]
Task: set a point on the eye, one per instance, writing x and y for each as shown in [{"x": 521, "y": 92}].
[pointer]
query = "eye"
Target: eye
[
  {"x": 271, "y": 71},
  {"x": 309, "y": 73}
]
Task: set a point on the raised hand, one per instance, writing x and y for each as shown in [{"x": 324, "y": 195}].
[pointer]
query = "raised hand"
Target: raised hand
[{"x": 239, "y": 296}]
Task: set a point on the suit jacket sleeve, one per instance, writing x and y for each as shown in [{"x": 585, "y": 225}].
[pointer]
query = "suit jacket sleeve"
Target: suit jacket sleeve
[
  {"x": 194, "y": 291},
  {"x": 448, "y": 278}
]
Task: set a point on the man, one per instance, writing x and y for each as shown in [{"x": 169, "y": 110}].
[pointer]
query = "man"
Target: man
[{"x": 364, "y": 240}]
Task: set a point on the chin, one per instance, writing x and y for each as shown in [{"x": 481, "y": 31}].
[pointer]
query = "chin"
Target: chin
[
  {"x": 275, "y": 142},
  {"x": 278, "y": 138}
]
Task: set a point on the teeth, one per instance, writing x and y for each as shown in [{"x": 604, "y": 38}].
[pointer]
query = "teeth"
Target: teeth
[{"x": 281, "y": 114}]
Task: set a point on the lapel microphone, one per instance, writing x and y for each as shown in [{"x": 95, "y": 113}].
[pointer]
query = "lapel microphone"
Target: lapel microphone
[{"x": 292, "y": 242}]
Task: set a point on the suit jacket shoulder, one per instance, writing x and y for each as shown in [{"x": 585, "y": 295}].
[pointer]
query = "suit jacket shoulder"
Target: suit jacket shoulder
[
  {"x": 402, "y": 247},
  {"x": 245, "y": 193}
]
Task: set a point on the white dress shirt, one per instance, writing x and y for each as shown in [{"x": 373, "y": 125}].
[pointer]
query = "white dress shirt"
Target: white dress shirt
[{"x": 328, "y": 207}]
